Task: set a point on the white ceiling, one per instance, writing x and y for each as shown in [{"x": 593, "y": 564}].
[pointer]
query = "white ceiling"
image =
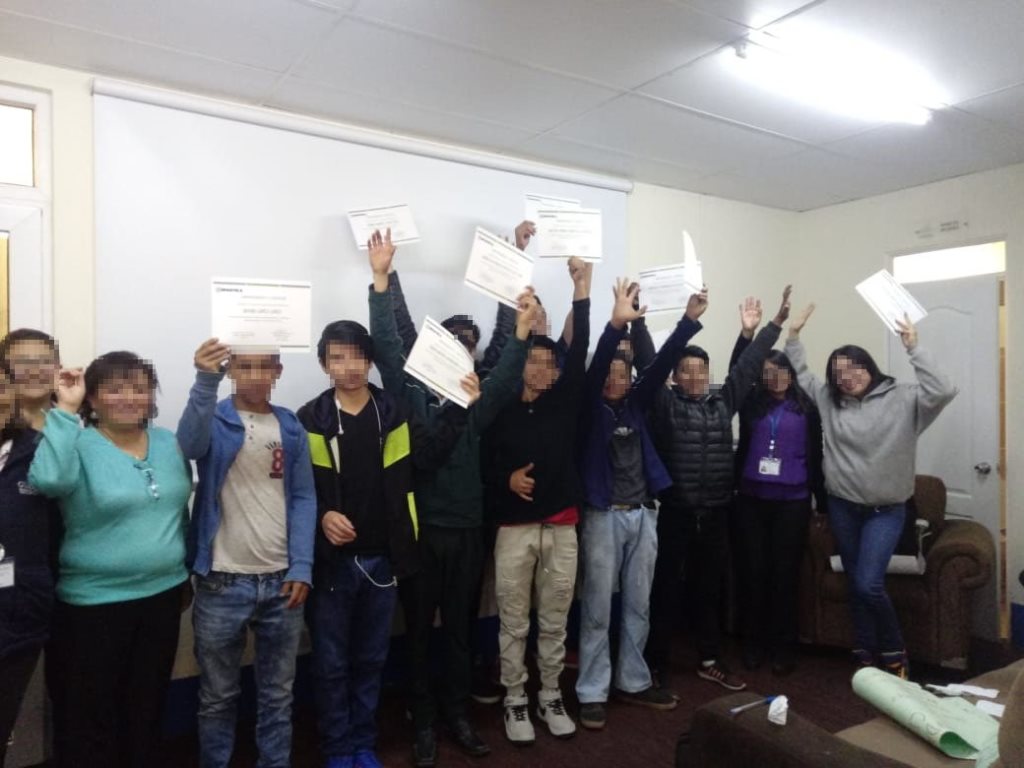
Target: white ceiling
[{"x": 629, "y": 87}]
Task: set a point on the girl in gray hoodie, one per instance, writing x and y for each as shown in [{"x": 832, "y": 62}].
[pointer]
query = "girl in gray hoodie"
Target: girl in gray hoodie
[{"x": 870, "y": 424}]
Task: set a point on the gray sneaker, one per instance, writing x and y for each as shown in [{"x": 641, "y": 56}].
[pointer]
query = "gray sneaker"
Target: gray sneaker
[
  {"x": 654, "y": 698},
  {"x": 518, "y": 727},
  {"x": 551, "y": 710},
  {"x": 592, "y": 715}
]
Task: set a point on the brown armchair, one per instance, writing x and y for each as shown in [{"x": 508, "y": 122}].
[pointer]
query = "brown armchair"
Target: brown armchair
[{"x": 934, "y": 608}]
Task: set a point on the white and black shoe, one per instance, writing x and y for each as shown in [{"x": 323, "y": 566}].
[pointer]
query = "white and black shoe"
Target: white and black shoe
[
  {"x": 518, "y": 727},
  {"x": 551, "y": 709}
]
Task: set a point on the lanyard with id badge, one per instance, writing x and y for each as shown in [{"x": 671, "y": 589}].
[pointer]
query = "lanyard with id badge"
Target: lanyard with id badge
[{"x": 770, "y": 465}]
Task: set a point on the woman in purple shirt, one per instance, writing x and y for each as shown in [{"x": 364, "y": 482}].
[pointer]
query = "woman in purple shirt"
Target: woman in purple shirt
[{"x": 778, "y": 467}]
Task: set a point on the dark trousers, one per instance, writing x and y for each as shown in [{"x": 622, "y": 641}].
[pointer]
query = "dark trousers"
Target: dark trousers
[
  {"x": 691, "y": 542},
  {"x": 15, "y": 672},
  {"x": 451, "y": 561},
  {"x": 770, "y": 537},
  {"x": 350, "y": 616},
  {"x": 113, "y": 665}
]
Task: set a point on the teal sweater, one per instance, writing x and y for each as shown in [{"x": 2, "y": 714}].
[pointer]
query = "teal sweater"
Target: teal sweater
[{"x": 121, "y": 542}]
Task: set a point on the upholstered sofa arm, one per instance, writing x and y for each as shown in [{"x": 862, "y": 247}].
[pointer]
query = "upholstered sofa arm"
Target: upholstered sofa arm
[
  {"x": 963, "y": 554},
  {"x": 748, "y": 739}
]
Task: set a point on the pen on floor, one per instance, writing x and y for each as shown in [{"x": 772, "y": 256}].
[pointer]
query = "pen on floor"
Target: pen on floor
[{"x": 744, "y": 707}]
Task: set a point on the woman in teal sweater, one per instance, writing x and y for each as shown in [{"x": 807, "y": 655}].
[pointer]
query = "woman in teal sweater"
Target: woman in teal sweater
[{"x": 123, "y": 486}]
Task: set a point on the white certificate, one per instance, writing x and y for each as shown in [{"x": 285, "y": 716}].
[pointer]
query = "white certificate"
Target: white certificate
[
  {"x": 890, "y": 300},
  {"x": 440, "y": 361},
  {"x": 562, "y": 233},
  {"x": 668, "y": 289},
  {"x": 689, "y": 252},
  {"x": 396, "y": 217},
  {"x": 498, "y": 269},
  {"x": 536, "y": 203},
  {"x": 261, "y": 313}
]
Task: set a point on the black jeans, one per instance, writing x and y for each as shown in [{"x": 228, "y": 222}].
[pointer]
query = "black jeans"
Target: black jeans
[
  {"x": 451, "y": 561},
  {"x": 770, "y": 538},
  {"x": 113, "y": 665},
  {"x": 691, "y": 542},
  {"x": 15, "y": 673}
]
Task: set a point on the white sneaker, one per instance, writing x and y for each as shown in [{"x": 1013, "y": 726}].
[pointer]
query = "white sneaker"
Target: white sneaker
[
  {"x": 551, "y": 710},
  {"x": 518, "y": 727}
]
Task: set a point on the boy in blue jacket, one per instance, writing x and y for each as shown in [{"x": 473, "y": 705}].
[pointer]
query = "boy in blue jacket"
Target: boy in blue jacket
[{"x": 250, "y": 545}]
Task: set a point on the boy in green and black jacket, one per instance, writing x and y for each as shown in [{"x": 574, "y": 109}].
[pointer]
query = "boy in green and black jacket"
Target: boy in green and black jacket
[{"x": 450, "y": 504}]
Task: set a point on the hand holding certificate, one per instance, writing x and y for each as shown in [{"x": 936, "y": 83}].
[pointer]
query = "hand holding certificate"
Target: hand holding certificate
[
  {"x": 562, "y": 233},
  {"x": 440, "y": 361},
  {"x": 668, "y": 289},
  {"x": 497, "y": 268},
  {"x": 890, "y": 300},
  {"x": 397, "y": 218},
  {"x": 262, "y": 313}
]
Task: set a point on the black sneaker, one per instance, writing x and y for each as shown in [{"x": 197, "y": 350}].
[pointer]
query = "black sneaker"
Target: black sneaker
[
  {"x": 717, "y": 672},
  {"x": 654, "y": 698},
  {"x": 593, "y": 715},
  {"x": 660, "y": 681},
  {"x": 485, "y": 690},
  {"x": 424, "y": 750}
]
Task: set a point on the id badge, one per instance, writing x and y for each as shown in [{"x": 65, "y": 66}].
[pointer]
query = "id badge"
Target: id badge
[
  {"x": 7, "y": 573},
  {"x": 769, "y": 467}
]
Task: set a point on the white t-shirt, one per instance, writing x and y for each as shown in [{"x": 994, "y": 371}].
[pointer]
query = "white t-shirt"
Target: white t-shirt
[{"x": 253, "y": 532}]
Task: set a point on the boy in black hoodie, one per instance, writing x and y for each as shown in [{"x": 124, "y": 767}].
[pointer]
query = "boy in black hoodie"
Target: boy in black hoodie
[{"x": 528, "y": 458}]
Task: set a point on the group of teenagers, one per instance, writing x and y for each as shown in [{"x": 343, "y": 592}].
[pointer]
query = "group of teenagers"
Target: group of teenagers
[{"x": 624, "y": 471}]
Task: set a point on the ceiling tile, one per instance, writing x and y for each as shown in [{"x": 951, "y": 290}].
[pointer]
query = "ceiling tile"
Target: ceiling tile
[
  {"x": 1005, "y": 107},
  {"x": 307, "y": 97},
  {"x": 952, "y": 144},
  {"x": 656, "y": 131},
  {"x": 36, "y": 40},
  {"x": 970, "y": 48},
  {"x": 269, "y": 34},
  {"x": 752, "y": 13},
  {"x": 711, "y": 85},
  {"x": 363, "y": 58},
  {"x": 537, "y": 32},
  {"x": 758, "y": 191}
]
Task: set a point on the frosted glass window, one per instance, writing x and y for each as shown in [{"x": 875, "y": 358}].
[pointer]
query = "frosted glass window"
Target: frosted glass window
[
  {"x": 950, "y": 263},
  {"x": 16, "y": 166}
]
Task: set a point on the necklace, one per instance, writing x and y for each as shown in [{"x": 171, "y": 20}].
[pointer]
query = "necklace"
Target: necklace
[{"x": 137, "y": 442}]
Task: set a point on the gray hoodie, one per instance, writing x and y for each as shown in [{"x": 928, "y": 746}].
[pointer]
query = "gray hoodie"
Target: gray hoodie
[{"x": 871, "y": 443}]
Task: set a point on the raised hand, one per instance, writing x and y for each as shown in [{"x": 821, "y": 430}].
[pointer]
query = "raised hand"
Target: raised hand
[
  {"x": 381, "y": 253},
  {"x": 750, "y": 316},
  {"x": 581, "y": 273},
  {"x": 783, "y": 314},
  {"x": 520, "y": 482},
  {"x": 624, "y": 310},
  {"x": 800, "y": 320},
  {"x": 698, "y": 304},
  {"x": 211, "y": 356},
  {"x": 70, "y": 388},
  {"x": 908, "y": 333},
  {"x": 527, "y": 312},
  {"x": 524, "y": 232}
]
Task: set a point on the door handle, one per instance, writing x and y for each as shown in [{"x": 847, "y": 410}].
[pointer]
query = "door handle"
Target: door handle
[{"x": 984, "y": 468}]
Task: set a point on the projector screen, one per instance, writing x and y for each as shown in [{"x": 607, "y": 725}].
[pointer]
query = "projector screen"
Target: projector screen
[{"x": 183, "y": 196}]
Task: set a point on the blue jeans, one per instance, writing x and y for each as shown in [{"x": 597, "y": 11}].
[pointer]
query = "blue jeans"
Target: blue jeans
[
  {"x": 350, "y": 622},
  {"x": 227, "y": 605},
  {"x": 867, "y": 537},
  {"x": 619, "y": 547}
]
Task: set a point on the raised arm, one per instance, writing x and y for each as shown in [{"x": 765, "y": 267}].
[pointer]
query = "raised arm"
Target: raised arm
[
  {"x": 403, "y": 320},
  {"x": 748, "y": 367},
  {"x": 502, "y": 384},
  {"x": 652, "y": 379},
  {"x": 389, "y": 355},
  {"x": 797, "y": 355},
  {"x": 56, "y": 467},
  {"x": 750, "y": 318},
  {"x": 195, "y": 424},
  {"x": 574, "y": 368},
  {"x": 935, "y": 390}
]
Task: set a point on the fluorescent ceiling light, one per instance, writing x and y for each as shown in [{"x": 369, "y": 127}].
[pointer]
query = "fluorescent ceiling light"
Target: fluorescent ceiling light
[{"x": 838, "y": 74}]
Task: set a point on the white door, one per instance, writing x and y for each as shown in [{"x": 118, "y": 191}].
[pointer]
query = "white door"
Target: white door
[{"x": 962, "y": 445}]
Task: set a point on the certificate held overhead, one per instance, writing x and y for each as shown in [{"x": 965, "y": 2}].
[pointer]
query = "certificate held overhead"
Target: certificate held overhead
[
  {"x": 397, "y": 218},
  {"x": 497, "y": 268},
  {"x": 569, "y": 232},
  {"x": 261, "y": 313},
  {"x": 440, "y": 361}
]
